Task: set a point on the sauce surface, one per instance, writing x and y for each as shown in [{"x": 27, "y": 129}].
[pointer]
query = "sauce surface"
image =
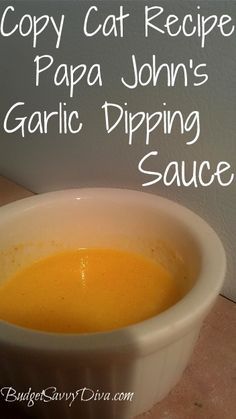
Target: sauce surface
[{"x": 87, "y": 290}]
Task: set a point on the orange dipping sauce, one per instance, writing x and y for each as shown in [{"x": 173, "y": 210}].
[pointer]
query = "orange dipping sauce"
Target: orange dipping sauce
[{"x": 87, "y": 290}]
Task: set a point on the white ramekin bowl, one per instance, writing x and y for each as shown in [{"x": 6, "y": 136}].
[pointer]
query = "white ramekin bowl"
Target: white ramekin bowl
[{"x": 147, "y": 358}]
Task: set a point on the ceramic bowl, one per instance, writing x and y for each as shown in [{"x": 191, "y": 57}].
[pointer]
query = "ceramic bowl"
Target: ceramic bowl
[{"x": 140, "y": 363}]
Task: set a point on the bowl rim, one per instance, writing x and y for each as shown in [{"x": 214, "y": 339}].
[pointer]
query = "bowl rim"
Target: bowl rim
[{"x": 144, "y": 336}]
